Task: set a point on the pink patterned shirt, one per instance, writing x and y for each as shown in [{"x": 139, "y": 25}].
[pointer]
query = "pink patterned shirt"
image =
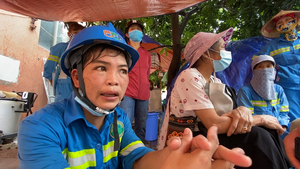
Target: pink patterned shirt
[{"x": 188, "y": 93}]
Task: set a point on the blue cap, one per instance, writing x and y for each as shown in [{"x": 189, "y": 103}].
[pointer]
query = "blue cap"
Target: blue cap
[{"x": 97, "y": 35}]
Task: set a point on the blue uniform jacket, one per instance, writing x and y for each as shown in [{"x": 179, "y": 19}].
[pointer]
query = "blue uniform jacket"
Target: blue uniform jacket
[
  {"x": 63, "y": 87},
  {"x": 287, "y": 57},
  {"x": 278, "y": 108},
  {"x": 59, "y": 136}
]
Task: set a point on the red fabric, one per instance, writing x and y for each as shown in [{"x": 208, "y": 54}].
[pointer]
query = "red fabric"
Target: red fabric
[
  {"x": 139, "y": 85},
  {"x": 290, "y": 14},
  {"x": 93, "y": 10}
]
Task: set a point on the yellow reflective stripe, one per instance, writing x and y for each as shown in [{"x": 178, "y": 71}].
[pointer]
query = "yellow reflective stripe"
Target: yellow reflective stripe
[
  {"x": 108, "y": 151},
  {"x": 110, "y": 144},
  {"x": 130, "y": 147},
  {"x": 54, "y": 58},
  {"x": 109, "y": 156},
  {"x": 284, "y": 108},
  {"x": 297, "y": 46},
  {"x": 85, "y": 165},
  {"x": 80, "y": 153},
  {"x": 80, "y": 159},
  {"x": 252, "y": 109},
  {"x": 67, "y": 168},
  {"x": 278, "y": 51},
  {"x": 259, "y": 103},
  {"x": 275, "y": 102}
]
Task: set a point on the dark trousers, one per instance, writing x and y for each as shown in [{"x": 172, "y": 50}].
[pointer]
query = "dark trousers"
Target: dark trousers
[{"x": 262, "y": 145}]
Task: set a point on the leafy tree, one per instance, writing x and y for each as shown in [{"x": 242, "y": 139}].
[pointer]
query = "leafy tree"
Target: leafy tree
[{"x": 246, "y": 17}]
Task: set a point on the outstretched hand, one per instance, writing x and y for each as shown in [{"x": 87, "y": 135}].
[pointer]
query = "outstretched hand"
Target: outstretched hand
[{"x": 202, "y": 152}]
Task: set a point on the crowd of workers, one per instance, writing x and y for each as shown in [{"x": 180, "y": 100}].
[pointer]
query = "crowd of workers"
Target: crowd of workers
[{"x": 90, "y": 126}]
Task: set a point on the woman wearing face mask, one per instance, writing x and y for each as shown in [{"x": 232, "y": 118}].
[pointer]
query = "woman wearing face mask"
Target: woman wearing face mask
[
  {"x": 199, "y": 101},
  {"x": 266, "y": 100},
  {"x": 136, "y": 99},
  {"x": 285, "y": 49}
]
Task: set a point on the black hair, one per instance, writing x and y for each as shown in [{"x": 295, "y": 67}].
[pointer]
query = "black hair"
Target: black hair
[{"x": 95, "y": 52}]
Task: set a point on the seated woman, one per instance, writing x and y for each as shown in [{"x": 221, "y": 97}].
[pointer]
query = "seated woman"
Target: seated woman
[
  {"x": 265, "y": 99},
  {"x": 198, "y": 100}
]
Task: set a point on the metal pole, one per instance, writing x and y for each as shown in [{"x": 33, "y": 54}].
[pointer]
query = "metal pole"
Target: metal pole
[{"x": 55, "y": 33}]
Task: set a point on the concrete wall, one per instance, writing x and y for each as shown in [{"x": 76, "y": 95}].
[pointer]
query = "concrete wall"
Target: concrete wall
[{"x": 18, "y": 43}]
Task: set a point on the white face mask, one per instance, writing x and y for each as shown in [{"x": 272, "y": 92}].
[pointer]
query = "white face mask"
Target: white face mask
[
  {"x": 263, "y": 83},
  {"x": 224, "y": 62}
]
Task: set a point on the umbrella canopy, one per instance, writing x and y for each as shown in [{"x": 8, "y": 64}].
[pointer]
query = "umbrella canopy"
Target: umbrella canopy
[{"x": 94, "y": 10}]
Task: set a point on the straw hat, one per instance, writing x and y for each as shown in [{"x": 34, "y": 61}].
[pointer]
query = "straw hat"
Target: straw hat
[
  {"x": 269, "y": 29},
  {"x": 201, "y": 42}
]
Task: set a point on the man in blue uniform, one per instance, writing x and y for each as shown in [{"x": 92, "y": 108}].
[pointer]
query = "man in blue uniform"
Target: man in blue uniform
[
  {"x": 264, "y": 98},
  {"x": 285, "y": 50},
  {"x": 60, "y": 81},
  {"x": 89, "y": 130}
]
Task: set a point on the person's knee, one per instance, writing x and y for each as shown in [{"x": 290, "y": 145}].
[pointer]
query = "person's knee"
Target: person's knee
[{"x": 294, "y": 124}]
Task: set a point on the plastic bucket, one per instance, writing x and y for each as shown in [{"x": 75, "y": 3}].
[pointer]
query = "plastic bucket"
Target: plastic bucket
[{"x": 151, "y": 126}]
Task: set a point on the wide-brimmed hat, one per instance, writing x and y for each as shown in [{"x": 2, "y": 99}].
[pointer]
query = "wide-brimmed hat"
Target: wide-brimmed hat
[
  {"x": 201, "y": 42},
  {"x": 269, "y": 29},
  {"x": 262, "y": 58}
]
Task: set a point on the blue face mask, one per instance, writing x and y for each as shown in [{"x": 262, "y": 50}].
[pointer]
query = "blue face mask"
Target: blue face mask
[
  {"x": 98, "y": 112},
  {"x": 136, "y": 35},
  {"x": 224, "y": 62}
]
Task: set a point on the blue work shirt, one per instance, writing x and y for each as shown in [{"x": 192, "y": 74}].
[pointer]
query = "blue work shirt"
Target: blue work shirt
[
  {"x": 278, "y": 108},
  {"x": 287, "y": 57},
  {"x": 59, "y": 136},
  {"x": 63, "y": 87}
]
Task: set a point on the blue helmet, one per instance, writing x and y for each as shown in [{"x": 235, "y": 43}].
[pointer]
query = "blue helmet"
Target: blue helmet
[{"x": 96, "y": 35}]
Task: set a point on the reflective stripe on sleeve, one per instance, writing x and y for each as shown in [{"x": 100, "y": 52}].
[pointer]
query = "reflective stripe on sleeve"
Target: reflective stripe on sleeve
[
  {"x": 252, "y": 109},
  {"x": 259, "y": 103},
  {"x": 297, "y": 46},
  {"x": 275, "y": 102},
  {"x": 278, "y": 51},
  {"x": 284, "y": 108},
  {"x": 54, "y": 58},
  {"x": 130, "y": 147},
  {"x": 80, "y": 159}
]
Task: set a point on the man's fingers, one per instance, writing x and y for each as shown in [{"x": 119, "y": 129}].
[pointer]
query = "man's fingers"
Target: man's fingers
[
  {"x": 200, "y": 142},
  {"x": 235, "y": 156},
  {"x": 218, "y": 164},
  {"x": 186, "y": 140},
  {"x": 212, "y": 137},
  {"x": 174, "y": 143}
]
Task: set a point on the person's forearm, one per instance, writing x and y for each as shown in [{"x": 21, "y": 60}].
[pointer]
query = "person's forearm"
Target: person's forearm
[
  {"x": 223, "y": 123},
  {"x": 152, "y": 160},
  {"x": 258, "y": 120}
]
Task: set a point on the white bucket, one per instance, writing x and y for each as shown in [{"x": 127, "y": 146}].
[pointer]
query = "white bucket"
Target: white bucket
[{"x": 9, "y": 119}]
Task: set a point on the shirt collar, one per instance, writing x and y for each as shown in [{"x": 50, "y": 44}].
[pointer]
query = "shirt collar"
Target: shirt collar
[{"x": 74, "y": 112}]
